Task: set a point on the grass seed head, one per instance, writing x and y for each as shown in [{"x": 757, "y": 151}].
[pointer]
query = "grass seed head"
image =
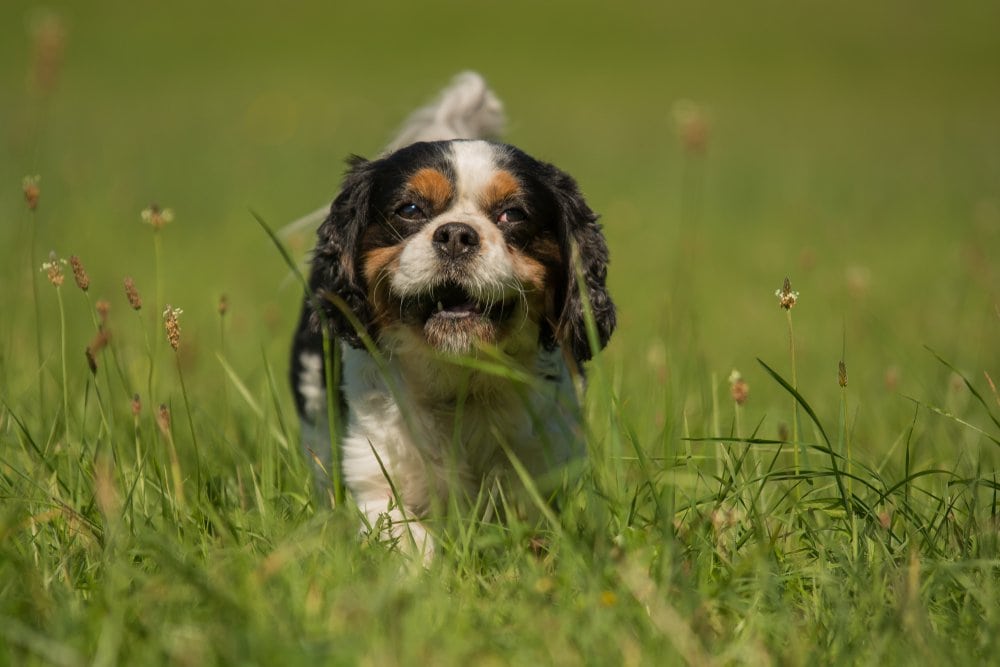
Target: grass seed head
[
  {"x": 31, "y": 191},
  {"x": 738, "y": 388},
  {"x": 99, "y": 342},
  {"x": 79, "y": 273},
  {"x": 53, "y": 268},
  {"x": 223, "y": 305},
  {"x": 103, "y": 307},
  {"x": 173, "y": 327},
  {"x": 786, "y": 297},
  {"x": 163, "y": 419},
  {"x": 892, "y": 377},
  {"x": 692, "y": 127},
  {"x": 842, "y": 373},
  {"x": 48, "y": 43},
  {"x": 132, "y": 293},
  {"x": 157, "y": 217},
  {"x": 783, "y": 431},
  {"x": 105, "y": 490},
  {"x": 136, "y": 405}
]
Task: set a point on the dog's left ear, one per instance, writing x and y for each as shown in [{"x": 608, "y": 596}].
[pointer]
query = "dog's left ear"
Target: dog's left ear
[{"x": 585, "y": 255}]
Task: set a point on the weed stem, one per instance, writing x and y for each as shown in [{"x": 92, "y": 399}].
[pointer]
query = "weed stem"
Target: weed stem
[
  {"x": 38, "y": 308},
  {"x": 62, "y": 345},
  {"x": 795, "y": 404}
]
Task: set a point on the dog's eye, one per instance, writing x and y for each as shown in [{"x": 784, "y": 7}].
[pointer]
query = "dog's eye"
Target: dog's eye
[
  {"x": 513, "y": 215},
  {"x": 410, "y": 212}
]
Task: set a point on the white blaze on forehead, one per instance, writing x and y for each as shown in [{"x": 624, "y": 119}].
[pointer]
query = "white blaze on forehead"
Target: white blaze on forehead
[
  {"x": 475, "y": 167},
  {"x": 491, "y": 272}
]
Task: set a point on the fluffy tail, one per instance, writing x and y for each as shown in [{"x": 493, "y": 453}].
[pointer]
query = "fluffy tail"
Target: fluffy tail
[{"x": 466, "y": 109}]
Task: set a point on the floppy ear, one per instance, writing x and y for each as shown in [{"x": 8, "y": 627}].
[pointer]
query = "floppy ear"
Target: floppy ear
[
  {"x": 334, "y": 263},
  {"x": 585, "y": 254}
]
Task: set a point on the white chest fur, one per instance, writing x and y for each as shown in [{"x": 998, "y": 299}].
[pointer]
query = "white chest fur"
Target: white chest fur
[{"x": 440, "y": 429}]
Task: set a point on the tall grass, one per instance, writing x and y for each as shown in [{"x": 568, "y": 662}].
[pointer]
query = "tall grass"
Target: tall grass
[
  {"x": 169, "y": 518},
  {"x": 126, "y": 540}
]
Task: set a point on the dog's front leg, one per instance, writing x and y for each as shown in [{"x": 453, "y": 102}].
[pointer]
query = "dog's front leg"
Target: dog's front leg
[{"x": 387, "y": 520}]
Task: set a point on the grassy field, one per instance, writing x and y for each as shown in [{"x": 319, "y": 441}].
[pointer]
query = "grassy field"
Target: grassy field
[{"x": 156, "y": 510}]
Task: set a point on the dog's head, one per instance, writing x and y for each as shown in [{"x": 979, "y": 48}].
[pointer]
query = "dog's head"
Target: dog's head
[{"x": 456, "y": 243}]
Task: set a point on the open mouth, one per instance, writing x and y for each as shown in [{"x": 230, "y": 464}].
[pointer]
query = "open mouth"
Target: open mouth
[{"x": 452, "y": 302}]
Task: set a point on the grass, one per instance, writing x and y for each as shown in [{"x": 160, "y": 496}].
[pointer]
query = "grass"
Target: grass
[{"x": 167, "y": 517}]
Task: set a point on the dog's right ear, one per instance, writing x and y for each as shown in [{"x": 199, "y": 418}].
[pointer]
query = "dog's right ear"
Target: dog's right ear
[{"x": 335, "y": 271}]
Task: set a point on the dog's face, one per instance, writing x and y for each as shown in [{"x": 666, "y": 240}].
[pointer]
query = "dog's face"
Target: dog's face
[{"x": 455, "y": 244}]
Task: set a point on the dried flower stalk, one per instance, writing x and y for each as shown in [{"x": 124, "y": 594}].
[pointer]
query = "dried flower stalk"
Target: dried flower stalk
[
  {"x": 79, "y": 273},
  {"x": 172, "y": 326},
  {"x": 132, "y": 294}
]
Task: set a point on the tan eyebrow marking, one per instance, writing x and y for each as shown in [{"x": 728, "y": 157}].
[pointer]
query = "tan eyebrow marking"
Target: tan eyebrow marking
[
  {"x": 528, "y": 269},
  {"x": 504, "y": 185},
  {"x": 377, "y": 265},
  {"x": 379, "y": 260},
  {"x": 431, "y": 185}
]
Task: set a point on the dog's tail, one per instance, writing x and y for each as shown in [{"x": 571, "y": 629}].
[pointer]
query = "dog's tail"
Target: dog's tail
[{"x": 466, "y": 109}]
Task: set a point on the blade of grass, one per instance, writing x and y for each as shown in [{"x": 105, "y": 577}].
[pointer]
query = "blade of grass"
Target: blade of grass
[
  {"x": 812, "y": 415},
  {"x": 249, "y": 400},
  {"x": 331, "y": 366},
  {"x": 969, "y": 385},
  {"x": 957, "y": 420}
]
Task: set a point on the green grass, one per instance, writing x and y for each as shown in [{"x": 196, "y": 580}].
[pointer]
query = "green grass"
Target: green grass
[{"x": 851, "y": 148}]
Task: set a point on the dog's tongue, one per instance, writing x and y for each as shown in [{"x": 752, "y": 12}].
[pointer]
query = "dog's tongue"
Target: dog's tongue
[
  {"x": 457, "y": 308},
  {"x": 453, "y": 300}
]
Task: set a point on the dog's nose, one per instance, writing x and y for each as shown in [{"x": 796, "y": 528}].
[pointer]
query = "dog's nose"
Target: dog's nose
[{"x": 455, "y": 239}]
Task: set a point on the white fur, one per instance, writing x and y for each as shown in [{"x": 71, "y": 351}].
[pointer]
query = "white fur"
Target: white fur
[
  {"x": 311, "y": 384},
  {"x": 466, "y": 109},
  {"x": 430, "y": 459},
  {"x": 475, "y": 166},
  {"x": 316, "y": 428}
]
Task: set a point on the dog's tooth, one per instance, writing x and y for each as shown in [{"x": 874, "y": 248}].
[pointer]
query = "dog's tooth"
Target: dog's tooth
[{"x": 440, "y": 307}]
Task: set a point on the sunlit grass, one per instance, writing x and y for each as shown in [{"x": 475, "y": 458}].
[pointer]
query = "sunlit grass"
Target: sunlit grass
[
  {"x": 130, "y": 540},
  {"x": 168, "y": 517}
]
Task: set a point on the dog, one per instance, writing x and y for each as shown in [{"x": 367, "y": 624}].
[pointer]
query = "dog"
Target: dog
[{"x": 461, "y": 284}]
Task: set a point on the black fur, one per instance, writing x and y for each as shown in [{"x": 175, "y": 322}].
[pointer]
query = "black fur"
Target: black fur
[
  {"x": 581, "y": 241},
  {"x": 582, "y": 248},
  {"x": 335, "y": 262}
]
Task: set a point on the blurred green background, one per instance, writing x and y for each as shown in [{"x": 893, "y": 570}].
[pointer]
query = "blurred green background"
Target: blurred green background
[{"x": 853, "y": 146}]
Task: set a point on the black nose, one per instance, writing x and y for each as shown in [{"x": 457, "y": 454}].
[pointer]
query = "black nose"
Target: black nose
[{"x": 455, "y": 239}]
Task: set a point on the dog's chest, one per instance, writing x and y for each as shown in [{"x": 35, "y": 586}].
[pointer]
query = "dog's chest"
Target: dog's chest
[{"x": 427, "y": 446}]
